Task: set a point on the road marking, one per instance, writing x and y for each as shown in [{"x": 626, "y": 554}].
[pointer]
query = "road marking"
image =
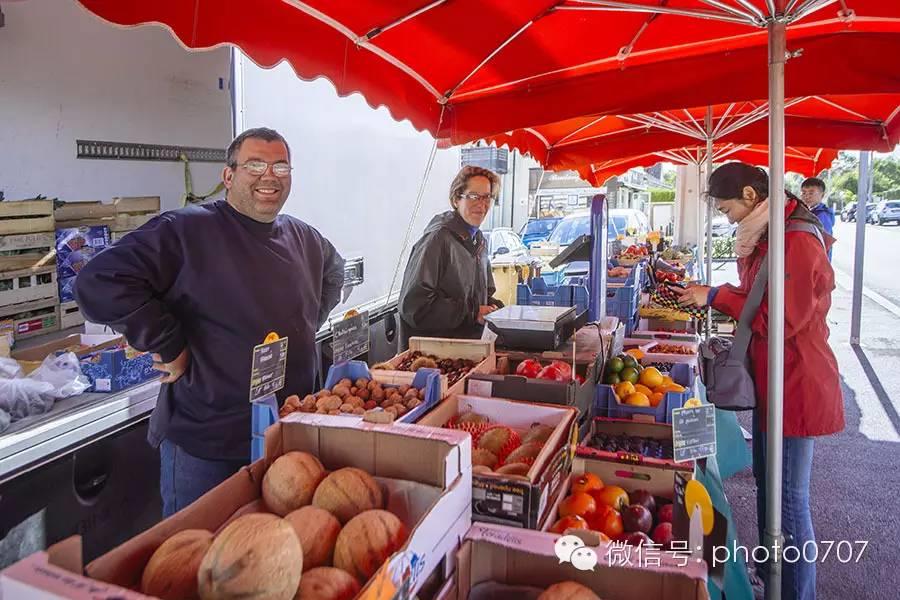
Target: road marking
[{"x": 845, "y": 281}]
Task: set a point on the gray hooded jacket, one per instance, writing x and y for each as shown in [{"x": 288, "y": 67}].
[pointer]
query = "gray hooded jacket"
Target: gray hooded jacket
[{"x": 448, "y": 277}]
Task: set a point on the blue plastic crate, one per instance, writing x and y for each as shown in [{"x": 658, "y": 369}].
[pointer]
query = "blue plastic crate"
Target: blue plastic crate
[
  {"x": 265, "y": 411},
  {"x": 683, "y": 375},
  {"x": 623, "y": 302},
  {"x": 562, "y": 295},
  {"x": 605, "y": 405}
]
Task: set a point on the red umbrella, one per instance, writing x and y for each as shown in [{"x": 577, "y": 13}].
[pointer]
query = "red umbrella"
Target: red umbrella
[
  {"x": 805, "y": 161},
  {"x": 464, "y": 69},
  {"x": 870, "y": 122}
]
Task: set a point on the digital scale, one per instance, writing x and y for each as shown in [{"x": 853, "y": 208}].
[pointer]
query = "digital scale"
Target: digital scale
[{"x": 534, "y": 327}]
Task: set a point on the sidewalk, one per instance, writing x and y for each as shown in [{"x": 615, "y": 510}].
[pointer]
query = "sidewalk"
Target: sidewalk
[{"x": 855, "y": 489}]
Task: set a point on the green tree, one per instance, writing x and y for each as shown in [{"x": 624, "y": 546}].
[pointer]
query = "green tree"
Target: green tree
[
  {"x": 842, "y": 178},
  {"x": 662, "y": 195}
]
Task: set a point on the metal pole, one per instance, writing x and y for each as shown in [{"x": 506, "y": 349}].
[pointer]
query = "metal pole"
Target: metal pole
[
  {"x": 709, "y": 212},
  {"x": 700, "y": 187},
  {"x": 862, "y": 197},
  {"x": 774, "y": 440},
  {"x": 597, "y": 265}
]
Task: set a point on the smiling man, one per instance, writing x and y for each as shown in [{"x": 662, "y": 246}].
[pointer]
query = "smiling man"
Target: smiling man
[{"x": 200, "y": 287}]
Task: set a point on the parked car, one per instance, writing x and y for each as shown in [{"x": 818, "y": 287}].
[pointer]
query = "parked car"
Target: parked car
[
  {"x": 630, "y": 221},
  {"x": 722, "y": 228},
  {"x": 849, "y": 212},
  {"x": 887, "y": 211},
  {"x": 870, "y": 212},
  {"x": 567, "y": 231},
  {"x": 506, "y": 248},
  {"x": 538, "y": 230}
]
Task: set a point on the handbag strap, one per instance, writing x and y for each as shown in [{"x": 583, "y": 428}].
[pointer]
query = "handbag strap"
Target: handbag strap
[{"x": 751, "y": 306}]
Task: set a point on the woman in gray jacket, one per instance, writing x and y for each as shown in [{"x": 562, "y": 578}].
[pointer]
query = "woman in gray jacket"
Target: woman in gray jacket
[{"x": 448, "y": 286}]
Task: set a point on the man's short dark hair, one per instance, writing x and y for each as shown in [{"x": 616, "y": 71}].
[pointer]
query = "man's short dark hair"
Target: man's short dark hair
[
  {"x": 813, "y": 182},
  {"x": 257, "y": 133}
]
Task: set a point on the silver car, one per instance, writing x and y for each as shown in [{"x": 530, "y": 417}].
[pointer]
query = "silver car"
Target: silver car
[{"x": 888, "y": 211}]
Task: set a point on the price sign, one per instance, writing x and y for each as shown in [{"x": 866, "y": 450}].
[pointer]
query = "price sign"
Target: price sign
[
  {"x": 268, "y": 368},
  {"x": 350, "y": 337},
  {"x": 694, "y": 432}
]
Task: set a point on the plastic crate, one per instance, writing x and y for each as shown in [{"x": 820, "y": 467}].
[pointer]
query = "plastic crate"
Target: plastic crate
[
  {"x": 683, "y": 375},
  {"x": 622, "y": 301},
  {"x": 264, "y": 414},
  {"x": 606, "y": 405},
  {"x": 562, "y": 295}
]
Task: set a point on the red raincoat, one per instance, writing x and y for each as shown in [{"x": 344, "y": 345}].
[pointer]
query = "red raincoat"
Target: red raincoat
[{"x": 813, "y": 402}]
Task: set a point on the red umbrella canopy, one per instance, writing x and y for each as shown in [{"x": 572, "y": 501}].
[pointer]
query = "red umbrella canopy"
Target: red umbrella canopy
[
  {"x": 805, "y": 161},
  {"x": 869, "y": 122},
  {"x": 465, "y": 69}
]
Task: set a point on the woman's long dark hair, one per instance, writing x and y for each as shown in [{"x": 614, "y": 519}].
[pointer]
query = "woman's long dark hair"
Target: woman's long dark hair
[{"x": 728, "y": 181}]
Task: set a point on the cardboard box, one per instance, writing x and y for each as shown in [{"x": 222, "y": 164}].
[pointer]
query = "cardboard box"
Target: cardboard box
[
  {"x": 520, "y": 501},
  {"x": 480, "y": 351},
  {"x": 106, "y": 361},
  {"x": 428, "y": 470},
  {"x": 657, "y": 431},
  {"x": 75, "y": 247},
  {"x": 500, "y": 563},
  {"x": 506, "y": 384}
]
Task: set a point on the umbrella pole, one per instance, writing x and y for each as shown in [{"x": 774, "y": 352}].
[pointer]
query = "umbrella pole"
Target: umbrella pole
[
  {"x": 775, "y": 421},
  {"x": 862, "y": 197},
  {"x": 709, "y": 212}
]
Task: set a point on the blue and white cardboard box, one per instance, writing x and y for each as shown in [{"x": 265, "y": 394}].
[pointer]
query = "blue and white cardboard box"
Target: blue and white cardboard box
[{"x": 75, "y": 247}]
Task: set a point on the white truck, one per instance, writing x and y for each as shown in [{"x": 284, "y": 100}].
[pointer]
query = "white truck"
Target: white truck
[{"x": 67, "y": 77}]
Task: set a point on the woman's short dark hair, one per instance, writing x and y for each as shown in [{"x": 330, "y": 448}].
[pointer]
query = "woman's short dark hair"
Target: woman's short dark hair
[{"x": 729, "y": 181}]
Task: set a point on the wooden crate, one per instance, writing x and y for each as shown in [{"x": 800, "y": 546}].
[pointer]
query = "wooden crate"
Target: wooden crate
[
  {"x": 30, "y": 319},
  {"x": 480, "y": 351},
  {"x": 26, "y": 251},
  {"x": 132, "y": 212},
  {"x": 70, "y": 315},
  {"x": 27, "y": 285},
  {"x": 26, "y": 216},
  {"x": 87, "y": 213}
]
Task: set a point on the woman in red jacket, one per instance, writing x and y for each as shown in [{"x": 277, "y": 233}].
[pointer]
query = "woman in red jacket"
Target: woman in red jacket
[{"x": 813, "y": 403}]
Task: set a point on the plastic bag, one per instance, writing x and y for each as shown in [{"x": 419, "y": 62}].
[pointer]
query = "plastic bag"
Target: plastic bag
[
  {"x": 63, "y": 372},
  {"x": 57, "y": 377},
  {"x": 5, "y": 420},
  {"x": 10, "y": 368}
]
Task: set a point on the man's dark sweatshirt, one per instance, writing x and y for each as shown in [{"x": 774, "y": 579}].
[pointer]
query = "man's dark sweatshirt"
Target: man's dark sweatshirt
[{"x": 212, "y": 280}]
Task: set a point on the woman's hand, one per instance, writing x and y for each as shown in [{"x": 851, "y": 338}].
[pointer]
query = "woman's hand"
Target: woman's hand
[
  {"x": 696, "y": 295},
  {"x": 484, "y": 310}
]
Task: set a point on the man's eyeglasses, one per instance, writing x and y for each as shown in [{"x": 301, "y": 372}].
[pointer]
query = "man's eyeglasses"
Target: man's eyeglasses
[
  {"x": 475, "y": 197},
  {"x": 258, "y": 167}
]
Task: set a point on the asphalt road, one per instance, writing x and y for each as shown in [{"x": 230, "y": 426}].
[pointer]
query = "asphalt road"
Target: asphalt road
[{"x": 881, "y": 267}]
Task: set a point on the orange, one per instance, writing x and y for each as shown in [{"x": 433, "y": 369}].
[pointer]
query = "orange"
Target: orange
[
  {"x": 637, "y": 399},
  {"x": 637, "y": 353},
  {"x": 579, "y": 503},
  {"x": 651, "y": 377},
  {"x": 624, "y": 389},
  {"x": 613, "y": 496},
  {"x": 586, "y": 482},
  {"x": 656, "y": 398},
  {"x": 643, "y": 389}
]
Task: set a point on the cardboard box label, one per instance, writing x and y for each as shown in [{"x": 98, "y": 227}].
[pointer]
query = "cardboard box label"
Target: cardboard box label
[
  {"x": 267, "y": 369},
  {"x": 480, "y": 387},
  {"x": 694, "y": 432}
]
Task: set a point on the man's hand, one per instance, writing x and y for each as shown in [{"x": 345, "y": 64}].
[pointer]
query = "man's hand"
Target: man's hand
[
  {"x": 175, "y": 369},
  {"x": 696, "y": 295},
  {"x": 484, "y": 310}
]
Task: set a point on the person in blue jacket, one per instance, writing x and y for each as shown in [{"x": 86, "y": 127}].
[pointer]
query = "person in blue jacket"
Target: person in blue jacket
[
  {"x": 812, "y": 193},
  {"x": 201, "y": 286}
]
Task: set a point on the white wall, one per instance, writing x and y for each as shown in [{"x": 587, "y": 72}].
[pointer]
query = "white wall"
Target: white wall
[
  {"x": 357, "y": 171},
  {"x": 65, "y": 75}
]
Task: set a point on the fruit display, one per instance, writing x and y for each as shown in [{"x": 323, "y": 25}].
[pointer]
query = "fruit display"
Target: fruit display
[
  {"x": 645, "y": 446},
  {"x": 502, "y": 450},
  {"x": 618, "y": 272},
  {"x": 557, "y": 370},
  {"x": 634, "y": 252},
  {"x": 662, "y": 276},
  {"x": 636, "y": 385},
  {"x": 568, "y": 590},
  {"x": 614, "y": 513},
  {"x": 355, "y": 398},
  {"x": 327, "y": 547},
  {"x": 454, "y": 368},
  {"x": 672, "y": 349}
]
